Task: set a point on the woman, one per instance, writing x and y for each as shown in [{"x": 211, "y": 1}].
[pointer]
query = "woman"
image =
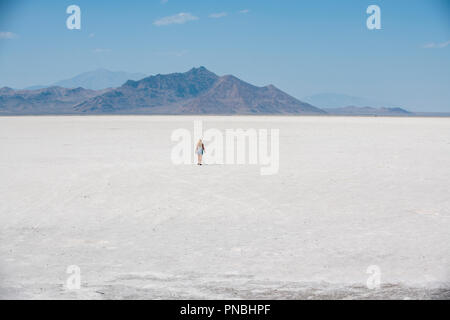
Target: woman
[{"x": 199, "y": 150}]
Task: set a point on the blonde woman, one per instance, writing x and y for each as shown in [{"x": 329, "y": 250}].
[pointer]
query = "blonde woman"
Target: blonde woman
[{"x": 199, "y": 150}]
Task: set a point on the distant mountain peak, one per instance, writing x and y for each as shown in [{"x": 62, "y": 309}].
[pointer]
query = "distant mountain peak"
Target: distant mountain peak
[{"x": 199, "y": 69}]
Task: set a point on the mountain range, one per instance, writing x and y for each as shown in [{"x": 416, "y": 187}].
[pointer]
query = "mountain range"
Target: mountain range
[{"x": 197, "y": 91}]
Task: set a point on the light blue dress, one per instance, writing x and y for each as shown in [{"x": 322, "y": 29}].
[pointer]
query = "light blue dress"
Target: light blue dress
[{"x": 200, "y": 150}]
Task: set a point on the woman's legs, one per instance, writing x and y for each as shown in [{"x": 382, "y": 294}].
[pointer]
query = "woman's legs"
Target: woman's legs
[{"x": 199, "y": 159}]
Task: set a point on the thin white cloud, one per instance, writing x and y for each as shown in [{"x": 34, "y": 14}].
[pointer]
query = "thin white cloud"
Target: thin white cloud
[
  {"x": 179, "y": 18},
  {"x": 91, "y": 35},
  {"x": 7, "y": 35},
  {"x": 218, "y": 15},
  {"x": 101, "y": 50},
  {"x": 164, "y": 1},
  {"x": 244, "y": 11},
  {"x": 433, "y": 45}
]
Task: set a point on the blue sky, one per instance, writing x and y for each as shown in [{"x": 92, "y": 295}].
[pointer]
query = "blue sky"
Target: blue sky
[{"x": 302, "y": 47}]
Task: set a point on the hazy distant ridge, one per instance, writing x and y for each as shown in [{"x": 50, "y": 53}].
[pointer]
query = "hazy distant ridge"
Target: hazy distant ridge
[
  {"x": 368, "y": 111},
  {"x": 95, "y": 80},
  {"x": 336, "y": 100}
]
